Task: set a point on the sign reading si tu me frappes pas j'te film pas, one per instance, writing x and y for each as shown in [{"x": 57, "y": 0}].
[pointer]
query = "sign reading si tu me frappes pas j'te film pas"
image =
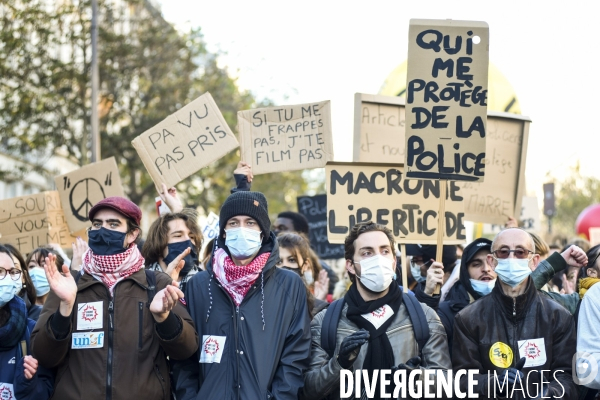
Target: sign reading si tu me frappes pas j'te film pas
[
  {"x": 286, "y": 138},
  {"x": 446, "y": 99},
  {"x": 360, "y": 192},
  {"x": 184, "y": 142}
]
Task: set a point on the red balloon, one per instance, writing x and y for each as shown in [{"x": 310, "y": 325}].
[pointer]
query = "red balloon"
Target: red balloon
[{"x": 588, "y": 218}]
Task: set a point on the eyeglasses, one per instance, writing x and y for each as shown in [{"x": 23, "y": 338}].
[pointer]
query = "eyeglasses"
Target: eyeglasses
[
  {"x": 505, "y": 253},
  {"x": 14, "y": 273}
]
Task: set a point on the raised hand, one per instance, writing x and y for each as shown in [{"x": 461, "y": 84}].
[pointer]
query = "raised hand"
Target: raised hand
[
  {"x": 80, "y": 246},
  {"x": 164, "y": 301},
  {"x": 244, "y": 168},
  {"x": 435, "y": 276},
  {"x": 30, "y": 366},
  {"x": 575, "y": 256},
  {"x": 322, "y": 286},
  {"x": 169, "y": 196},
  {"x": 62, "y": 284},
  {"x": 177, "y": 264}
]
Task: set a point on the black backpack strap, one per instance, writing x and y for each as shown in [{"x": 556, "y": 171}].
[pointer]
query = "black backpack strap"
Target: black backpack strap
[
  {"x": 329, "y": 326},
  {"x": 78, "y": 276},
  {"x": 151, "y": 278},
  {"x": 418, "y": 320}
]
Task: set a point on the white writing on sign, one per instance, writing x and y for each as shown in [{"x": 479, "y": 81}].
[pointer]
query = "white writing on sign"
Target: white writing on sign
[
  {"x": 184, "y": 142},
  {"x": 361, "y": 192},
  {"x": 211, "y": 229},
  {"x": 446, "y": 99},
  {"x": 212, "y": 348},
  {"x": 286, "y": 138},
  {"x": 87, "y": 340},
  {"x": 90, "y": 315}
]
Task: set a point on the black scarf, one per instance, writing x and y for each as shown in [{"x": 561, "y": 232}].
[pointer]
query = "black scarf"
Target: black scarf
[
  {"x": 12, "y": 332},
  {"x": 380, "y": 354}
]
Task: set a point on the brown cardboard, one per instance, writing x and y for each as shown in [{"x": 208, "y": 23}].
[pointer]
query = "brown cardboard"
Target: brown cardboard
[
  {"x": 380, "y": 189},
  {"x": 379, "y": 129},
  {"x": 286, "y": 138},
  {"x": 500, "y": 196},
  {"x": 444, "y": 139},
  {"x": 81, "y": 189},
  {"x": 28, "y": 222},
  {"x": 184, "y": 142}
]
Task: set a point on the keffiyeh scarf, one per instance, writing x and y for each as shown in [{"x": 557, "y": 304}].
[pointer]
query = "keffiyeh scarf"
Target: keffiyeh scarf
[{"x": 114, "y": 268}]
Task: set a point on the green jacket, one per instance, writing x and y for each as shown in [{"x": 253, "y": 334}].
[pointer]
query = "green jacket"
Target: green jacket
[{"x": 542, "y": 275}]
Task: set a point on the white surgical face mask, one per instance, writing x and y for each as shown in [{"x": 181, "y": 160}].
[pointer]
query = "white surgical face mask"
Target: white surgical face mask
[
  {"x": 483, "y": 287},
  {"x": 513, "y": 271},
  {"x": 308, "y": 277},
  {"x": 242, "y": 242},
  {"x": 8, "y": 289},
  {"x": 376, "y": 273}
]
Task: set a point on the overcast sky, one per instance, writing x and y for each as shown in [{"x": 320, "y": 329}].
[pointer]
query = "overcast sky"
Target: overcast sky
[{"x": 305, "y": 51}]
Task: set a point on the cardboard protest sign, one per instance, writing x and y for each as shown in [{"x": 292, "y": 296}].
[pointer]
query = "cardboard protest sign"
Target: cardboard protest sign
[
  {"x": 286, "y": 138},
  {"x": 594, "y": 234},
  {"x": 314, "y": 208},
  {"x": 500, "y": 196},
  {"x": 378, "y": 129},
  {"x": 528, "y": 219},
  {"x": 81, "y": 189},
  {"x": 359, "y": 192},
  {"x": 184, "y": 142},
  {"x": 446, "y": 99},
  {"x": 210, "y": 229},
  {"x": 28, "y": 222}
]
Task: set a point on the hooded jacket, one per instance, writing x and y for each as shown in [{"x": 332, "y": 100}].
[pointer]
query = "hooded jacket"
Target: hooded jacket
[
  {"x": 132, "y": 363},
  {"x": 493, "y": 333},
  {"x": 258, "y": 350}
]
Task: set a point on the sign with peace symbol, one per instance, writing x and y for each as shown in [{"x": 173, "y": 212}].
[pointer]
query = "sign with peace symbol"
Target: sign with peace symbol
[{"x": 81, "y": 189}]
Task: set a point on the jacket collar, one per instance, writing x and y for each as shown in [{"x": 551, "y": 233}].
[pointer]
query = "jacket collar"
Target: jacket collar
[
  {"x": 88, "y": 280},
  {"x": 517, "y": 307}
]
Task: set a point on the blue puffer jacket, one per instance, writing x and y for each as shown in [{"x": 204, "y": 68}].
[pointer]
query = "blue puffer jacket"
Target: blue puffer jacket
[
  {"x": 12, "y": 378},
  {"x": 265, "y": 342}
]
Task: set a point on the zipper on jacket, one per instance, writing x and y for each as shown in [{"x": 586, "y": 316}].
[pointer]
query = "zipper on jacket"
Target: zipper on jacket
[
  {"x": 111, "y": 328},
  {"x": 141, "y": 323},
  {"x": 515, "y": 308},
  {"x": 160, "y": 379}
]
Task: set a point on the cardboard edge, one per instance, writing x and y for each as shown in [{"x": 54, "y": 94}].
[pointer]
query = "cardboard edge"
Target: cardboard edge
[{"x": 522, "y": 166}]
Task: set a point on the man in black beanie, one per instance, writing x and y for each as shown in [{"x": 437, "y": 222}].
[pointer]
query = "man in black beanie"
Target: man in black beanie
[{"x": 252, "y": 316}]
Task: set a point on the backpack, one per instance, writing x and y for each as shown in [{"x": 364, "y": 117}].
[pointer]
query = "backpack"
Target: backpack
[{"x": 334, "y": 312}]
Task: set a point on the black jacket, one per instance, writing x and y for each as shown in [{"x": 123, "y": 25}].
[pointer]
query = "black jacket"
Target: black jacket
[
  {"x": 258, "y": 362},
  {"x": 488, "y": 333}
]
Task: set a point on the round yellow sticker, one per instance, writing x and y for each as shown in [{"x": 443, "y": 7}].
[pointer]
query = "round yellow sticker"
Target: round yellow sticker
[{"x": 501, "y": 355}]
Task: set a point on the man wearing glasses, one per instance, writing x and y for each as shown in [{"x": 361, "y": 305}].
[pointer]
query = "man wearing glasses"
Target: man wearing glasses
[{"x": 521, "y": 342}]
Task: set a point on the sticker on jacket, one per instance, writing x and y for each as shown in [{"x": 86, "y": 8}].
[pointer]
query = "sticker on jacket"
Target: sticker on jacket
[
  {"x": 501, "y": 355},
  {"x": 6, "y": 391},
  {"x": 212, "y": 348},
  {"x": 379, "y": 316},
  {"x": 89, "y": 315},
  {"x": 87, "y": 340},
  {"x": 534, "y": 352}
]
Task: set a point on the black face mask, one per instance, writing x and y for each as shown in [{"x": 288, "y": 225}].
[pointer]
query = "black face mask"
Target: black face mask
[
  {"x": 175, "y": 249},
  {"x": 296, "y": 270},
  {"x": 105, "y": 242}
]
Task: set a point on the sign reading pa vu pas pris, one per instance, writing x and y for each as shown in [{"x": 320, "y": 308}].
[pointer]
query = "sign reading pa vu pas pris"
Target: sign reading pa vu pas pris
[
  {"x": 446, "y": 99},
  {"x": 286, "y": 138},
  {"x": 184, "y": 142}
]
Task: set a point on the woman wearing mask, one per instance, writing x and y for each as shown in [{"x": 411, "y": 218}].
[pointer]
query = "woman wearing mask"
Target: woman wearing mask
[
  {"x": 169, "y": 236},
  {"x": 35, "y": 267},
  {"x": 20, "y": 376},
  {"x": 27, "y": 291},
  {"x": 295, "y": 255}
]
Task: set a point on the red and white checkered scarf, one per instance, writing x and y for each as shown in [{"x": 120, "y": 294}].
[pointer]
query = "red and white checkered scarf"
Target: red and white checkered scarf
[
  {"x": 114, "y": 268},
  {"x": 236, "y": 280}
]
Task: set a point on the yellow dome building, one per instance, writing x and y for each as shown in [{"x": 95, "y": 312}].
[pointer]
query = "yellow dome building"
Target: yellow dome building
[{"x": 501, "y": 95}]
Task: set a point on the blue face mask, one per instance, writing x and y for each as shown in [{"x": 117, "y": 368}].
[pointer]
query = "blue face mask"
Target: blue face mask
[
  {"x": 513, "y": 271},
  {"x": 8, "y": 289},
  {"x": 415, "y": 270},
  {"x": 483, "y": 287},
  {"x": 38, "y": 277},
  {"x": 243, "y": 242},
  {"x": 105, "y": 242},
  {"x": 175, "y": 249}
]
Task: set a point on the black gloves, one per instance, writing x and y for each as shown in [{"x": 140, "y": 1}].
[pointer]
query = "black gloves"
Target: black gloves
[
  {"x": 410, "y": 365},
  {"x": 513, "y": 375},
  {"x": 350, "y": 348}
]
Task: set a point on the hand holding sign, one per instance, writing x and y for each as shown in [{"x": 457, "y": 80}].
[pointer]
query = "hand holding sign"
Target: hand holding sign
[
  {"x": 435, "y": 277},
  {"x": 169, "y": 196},
  {"x": 61, "y": 284},
  {"x": 164, "y": 301},
  {"x": 244, "y": 168},
  {"x": 30, "y": 366}
]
